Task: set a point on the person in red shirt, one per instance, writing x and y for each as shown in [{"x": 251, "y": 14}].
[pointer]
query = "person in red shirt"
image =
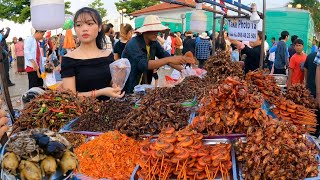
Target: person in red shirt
[
  {"x": 296, "y": 65},
  {"x": 173, "y": 44}
]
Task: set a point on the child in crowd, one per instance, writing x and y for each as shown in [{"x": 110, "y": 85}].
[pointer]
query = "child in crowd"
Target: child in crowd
[
  {"x": 48, "y": 75},
  {"x": 296, "y": 66}
]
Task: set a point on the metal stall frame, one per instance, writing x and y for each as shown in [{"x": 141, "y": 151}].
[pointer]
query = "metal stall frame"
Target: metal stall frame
[{"x": 241, "y": 13}]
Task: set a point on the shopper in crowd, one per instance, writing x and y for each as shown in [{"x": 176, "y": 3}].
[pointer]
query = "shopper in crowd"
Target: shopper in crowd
[
  {"x": 235, "y": 55},
  {"x": 48, "y": 74},
  {"x": 227, "y": 40},
  {"x": 12, "y": 49},
  {"x": 189, "y": 44},
  {"x": 5, "y": 54},
  {"x": 33, "y": 58},
  {"x": 309, "y": 81},
  {"x": 317, "y": 62},
  {"x": 19, "y": 50},
  {"x": 291, "y": 48},
  {"x": 168, "y": 42},
  {"x": 266, "y": 45},
  {"x": 252, "y": 60},
  {"x": 203, "y": 49},
  {"x": 296, "y": 65},
  {"x": 126, "y": 32},
  {"x": 272, "y": 55},
  {"x": 116, "y": 37},
  {"x": 179, "y": 45},
  {"x": 314, "y": 46},
  {"x": 108, "y": 31},
  {"x": 281, "y": 61},
  {"x": 273, "y": 41},
  {"x": 86, "y": 69},
  {"x": 310, "y": 72},
  {"x": 142, "y": 50},
  {"x": 220, "y": 43},
  {"x": 173, "y": 43}
]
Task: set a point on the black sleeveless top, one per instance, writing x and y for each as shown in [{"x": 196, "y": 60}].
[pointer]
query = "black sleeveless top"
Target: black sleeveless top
[{"x": 90, "y": 74}]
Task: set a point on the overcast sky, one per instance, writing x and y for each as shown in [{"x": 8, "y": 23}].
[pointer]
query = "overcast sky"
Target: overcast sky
[{"x": 23, "y": 30}]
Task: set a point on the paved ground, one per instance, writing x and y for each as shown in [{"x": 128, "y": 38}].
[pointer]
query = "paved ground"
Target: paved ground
[{"x": 21, "y": 86}]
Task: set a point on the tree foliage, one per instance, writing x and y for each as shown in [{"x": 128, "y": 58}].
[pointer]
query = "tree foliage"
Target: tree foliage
[
  {"x": 99, "y": 6},
  {"x": 135, "y": 5},
  {"x": 314, "y": 7},
  {"x": 18, "y": 11}
]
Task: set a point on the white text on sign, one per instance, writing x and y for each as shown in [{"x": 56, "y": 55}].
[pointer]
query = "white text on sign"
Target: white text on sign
[{"x": 242, "y": 29}]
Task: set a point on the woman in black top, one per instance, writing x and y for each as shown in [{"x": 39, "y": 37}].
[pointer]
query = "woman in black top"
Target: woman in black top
[
  {"x": 86, "y": 69},
  {"x": 126, "y": 32}
]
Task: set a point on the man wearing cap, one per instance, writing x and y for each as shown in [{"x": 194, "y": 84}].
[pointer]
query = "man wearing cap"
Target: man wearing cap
[
  {"x": 32, "y": 58},
  {"x": 142, "y": 50}
]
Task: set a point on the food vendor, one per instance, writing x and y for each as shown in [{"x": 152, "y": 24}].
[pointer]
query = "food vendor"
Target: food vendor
[
  {"x": 86, "y": 69},
  {"x": 142, "y": 51}
]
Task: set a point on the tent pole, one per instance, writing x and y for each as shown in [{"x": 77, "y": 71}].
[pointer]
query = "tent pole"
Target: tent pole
[
  {"x": 213, "y": 30},
  {"x": 263, "y": 35},
  {"x": 239, "y": 8}
]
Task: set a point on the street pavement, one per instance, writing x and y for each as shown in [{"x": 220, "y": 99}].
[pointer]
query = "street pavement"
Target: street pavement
[{"x": 21, "y": 86}]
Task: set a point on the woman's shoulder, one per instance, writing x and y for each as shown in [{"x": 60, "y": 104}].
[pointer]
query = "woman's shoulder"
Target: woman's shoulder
[{"x": 76, "y": 55}]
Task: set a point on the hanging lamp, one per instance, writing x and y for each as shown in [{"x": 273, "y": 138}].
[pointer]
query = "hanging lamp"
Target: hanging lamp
[
  {"x": 47, "y": 14},
  {"x": 254, "y": 16},
  {"x": 198, "y": 20}
]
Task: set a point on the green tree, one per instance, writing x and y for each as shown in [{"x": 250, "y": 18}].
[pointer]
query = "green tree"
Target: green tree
[
  {"x": 98, "y": 5},
  {"x": 314, "y": 7},
  {"x": 135, "y": 5},
  {"x": 19, "y": 10}
]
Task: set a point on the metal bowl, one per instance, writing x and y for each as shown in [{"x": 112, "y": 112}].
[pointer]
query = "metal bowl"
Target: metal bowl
[{"x": 57, "y": 176}]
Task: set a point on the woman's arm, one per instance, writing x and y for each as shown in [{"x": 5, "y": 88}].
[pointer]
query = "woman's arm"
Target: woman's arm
[
  {"x": 173, "y": 60},
  {"x": 116, "y": 56},
  {"x": 69, "y": 83}
]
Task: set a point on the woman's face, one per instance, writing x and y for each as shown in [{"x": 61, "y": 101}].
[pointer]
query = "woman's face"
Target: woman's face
[{"x": 86, "y": 28}]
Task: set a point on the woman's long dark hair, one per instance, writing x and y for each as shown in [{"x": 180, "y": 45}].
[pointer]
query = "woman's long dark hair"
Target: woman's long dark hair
[{"x": 100, "y": 40}]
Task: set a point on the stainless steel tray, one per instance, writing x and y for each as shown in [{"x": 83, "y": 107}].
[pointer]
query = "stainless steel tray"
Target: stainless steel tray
[
  {"x": 68, "y": 127},
  {"x": 237, "y": 167},
  {"x": 212, "y": 142}
]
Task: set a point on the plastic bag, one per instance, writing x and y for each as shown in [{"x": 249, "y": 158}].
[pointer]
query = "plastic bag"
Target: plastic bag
[
  {"x": 120, "y": 70},
  {"x": 193, "y": 72},
  {"x": 142, "y": 88},
  {"x": 31, "y": 94}
]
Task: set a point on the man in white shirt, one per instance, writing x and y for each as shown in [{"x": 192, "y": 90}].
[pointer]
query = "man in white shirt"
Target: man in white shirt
[
  {"x": 108, "y": 30},
  {"x": 33, "y": 58},
  {"x": 266, "y": 46}
]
